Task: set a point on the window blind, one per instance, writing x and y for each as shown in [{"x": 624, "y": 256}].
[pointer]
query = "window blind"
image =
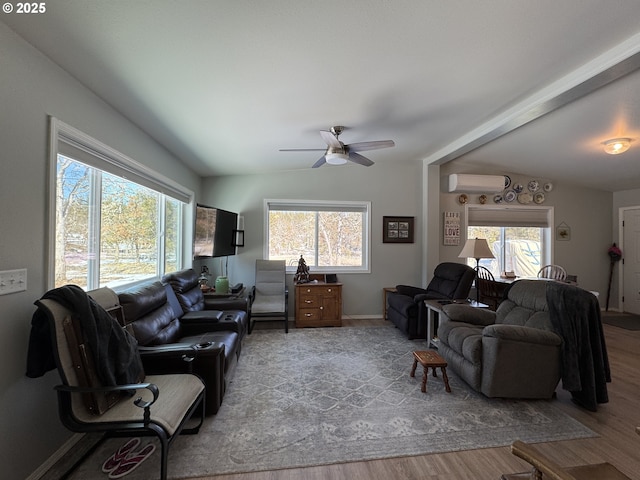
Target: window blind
[
  {"x": 315, "y": 206},
  {"x": 76, "y": 145},
  {"x": 509, "y": 216}
]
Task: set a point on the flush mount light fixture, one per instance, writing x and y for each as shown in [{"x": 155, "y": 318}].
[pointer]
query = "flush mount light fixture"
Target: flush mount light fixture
[
  {"x": 336, "y": 158},
  {"x": 617, "y": 145}
]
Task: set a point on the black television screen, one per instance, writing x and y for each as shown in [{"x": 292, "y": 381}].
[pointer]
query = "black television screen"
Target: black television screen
[{"x": 214, "y": 234}]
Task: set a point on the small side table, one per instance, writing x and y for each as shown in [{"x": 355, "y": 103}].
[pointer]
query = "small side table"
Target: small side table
[
  {"x": 430, "y": 358},
  {"x": 385, "y": 293},
  {"x": 435, "y": 307}
]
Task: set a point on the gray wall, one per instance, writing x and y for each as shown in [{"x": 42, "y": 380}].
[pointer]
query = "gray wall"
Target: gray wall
[
  {"x": 392, "y": 189},
  {"x": 31, "y": 88},
  {"x": 588, "y": 212}
]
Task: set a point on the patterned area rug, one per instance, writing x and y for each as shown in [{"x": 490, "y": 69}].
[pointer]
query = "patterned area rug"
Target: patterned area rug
[{"x": 322, "y": 396}]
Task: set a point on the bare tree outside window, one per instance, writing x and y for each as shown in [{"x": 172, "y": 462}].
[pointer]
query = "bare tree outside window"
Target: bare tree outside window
[
  {"x": 108, "y": 229},
  {"x": 326, "y": 238}
]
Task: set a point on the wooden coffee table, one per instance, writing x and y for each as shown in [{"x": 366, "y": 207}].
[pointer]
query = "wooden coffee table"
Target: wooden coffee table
[{"x": 430, "y": 359}]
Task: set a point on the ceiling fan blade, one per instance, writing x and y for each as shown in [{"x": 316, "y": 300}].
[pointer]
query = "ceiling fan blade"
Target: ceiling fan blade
[
  {"x": 302, "y": 150},
  {"x": 319, "y": 163},
  {"x": 330, "y": 139},
  {"x": 359, "y": 159},
  {"x": 362, "y": 146}
]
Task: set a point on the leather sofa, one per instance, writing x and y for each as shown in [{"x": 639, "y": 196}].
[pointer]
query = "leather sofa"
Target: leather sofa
[
  {"x": 186, "y": 287},
  {"x": 513, "y": 352},
  {"x": 406, "y": 306},
  {"x": 172, "y": 341}
]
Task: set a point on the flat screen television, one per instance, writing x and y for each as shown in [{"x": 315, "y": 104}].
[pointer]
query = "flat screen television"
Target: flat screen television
[{"x": 215, "y": 232}]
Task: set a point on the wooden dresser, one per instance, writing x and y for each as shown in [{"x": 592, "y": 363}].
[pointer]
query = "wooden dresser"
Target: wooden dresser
[{"x": 319, "y": 304}]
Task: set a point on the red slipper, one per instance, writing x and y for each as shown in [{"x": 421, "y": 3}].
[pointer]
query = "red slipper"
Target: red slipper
[
  {"x": 133, "y": 461},
  {"x": 114, "y": 460}
]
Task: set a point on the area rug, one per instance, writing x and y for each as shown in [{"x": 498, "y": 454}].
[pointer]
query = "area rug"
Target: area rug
[
  {"x": 332, "y": 395},
  {"x": 627, "y": 321}
]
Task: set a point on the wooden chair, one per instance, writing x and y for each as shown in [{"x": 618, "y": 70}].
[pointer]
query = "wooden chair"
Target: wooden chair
[
  {"x": 554, "y": 272},
  {"x": 158, "y": 405},
  {"x": 489, "y": 291},
  {"x": 547, "y": 469}
]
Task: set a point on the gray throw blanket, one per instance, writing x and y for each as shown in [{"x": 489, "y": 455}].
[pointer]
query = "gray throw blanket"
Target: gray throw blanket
[
  {"x": 115, "y": 351},
  {"x": 575, "y": 315}
]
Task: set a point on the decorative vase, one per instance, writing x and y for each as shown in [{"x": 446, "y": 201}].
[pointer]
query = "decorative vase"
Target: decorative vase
[{"x": 222, "y": 285}]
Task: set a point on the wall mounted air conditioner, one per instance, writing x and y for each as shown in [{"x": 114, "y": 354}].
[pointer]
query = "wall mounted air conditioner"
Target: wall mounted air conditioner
[{"x": 462, "y": 182}]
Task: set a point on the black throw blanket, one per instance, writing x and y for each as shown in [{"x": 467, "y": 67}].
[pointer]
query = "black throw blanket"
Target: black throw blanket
[
  {"x": 115, "y": 351},
  {"x": 575, "y": 315}
]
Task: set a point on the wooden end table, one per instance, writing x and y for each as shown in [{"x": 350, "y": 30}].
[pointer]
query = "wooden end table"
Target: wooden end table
[{"x": 430, "y": 359}]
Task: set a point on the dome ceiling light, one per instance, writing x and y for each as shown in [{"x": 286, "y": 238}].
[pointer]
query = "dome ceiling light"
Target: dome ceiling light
[{"x": 617, "y": 145}]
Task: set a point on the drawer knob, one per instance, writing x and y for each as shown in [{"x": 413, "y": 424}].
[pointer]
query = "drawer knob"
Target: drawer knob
[
  {"x": 308, "y": 301},
  {"x": 328, "y": 289},
  {"x": 307, "y": 315},
  {"x": 308, "y": 290},
  {"x": 321, "y": 308}
]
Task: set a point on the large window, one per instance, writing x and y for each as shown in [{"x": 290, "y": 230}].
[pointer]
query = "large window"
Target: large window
[
  {"x": 109, "y": 230},
  {"x": 519, "y": 237},
  {"x": 331, "y": 236}
]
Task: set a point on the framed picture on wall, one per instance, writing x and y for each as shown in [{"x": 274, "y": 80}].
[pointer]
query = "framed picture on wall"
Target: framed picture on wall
[{"x": 397, "y": 229}]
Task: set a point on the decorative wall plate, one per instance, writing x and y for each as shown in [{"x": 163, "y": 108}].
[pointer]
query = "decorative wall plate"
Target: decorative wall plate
[
  {"x": 509, "y": 196},
  {"x": 497, "y": 198},
  {"x": 548, "y": 187},
  {"x": 533, "y": 186},
  {"x": 525, "y": 198},
  {"x": 463, "y": 199},
  {"x": 518, "y": 187},
  {"x": 507, "y": 181},
  {"x": 482, "y": 199},
  {"x": 538, "y": 198}
]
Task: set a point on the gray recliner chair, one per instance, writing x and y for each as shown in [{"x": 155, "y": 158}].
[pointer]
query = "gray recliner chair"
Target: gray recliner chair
[
  {"x": 513, "y": 352},
  {"x": 406, "y": 306}
]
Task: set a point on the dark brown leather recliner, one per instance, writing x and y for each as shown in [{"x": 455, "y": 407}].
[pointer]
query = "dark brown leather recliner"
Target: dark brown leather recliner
[
  {"x": 186, "y": 286},
  {"x": 168, "y": 344},
  {"x": 406, "y": 306}
]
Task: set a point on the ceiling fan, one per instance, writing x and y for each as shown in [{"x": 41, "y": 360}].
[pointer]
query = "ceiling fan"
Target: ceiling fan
[{"x": 337, "y": 153}]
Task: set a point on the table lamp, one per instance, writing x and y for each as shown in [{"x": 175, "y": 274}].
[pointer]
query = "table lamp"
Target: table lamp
[{"x": 476, "y": 248}]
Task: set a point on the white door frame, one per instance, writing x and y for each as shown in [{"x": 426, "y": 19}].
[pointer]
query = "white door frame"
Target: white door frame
[{"x": 621, "y": 212}]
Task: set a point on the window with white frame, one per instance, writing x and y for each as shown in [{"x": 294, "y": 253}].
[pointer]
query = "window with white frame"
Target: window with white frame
[
  {"x": 114, "y": 221},
  {"x": 329, "y": 235},
  {"x": 519, "y": 237}
]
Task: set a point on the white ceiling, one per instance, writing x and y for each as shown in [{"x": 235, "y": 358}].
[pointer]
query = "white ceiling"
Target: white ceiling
[{"x": 225, "y": 84}]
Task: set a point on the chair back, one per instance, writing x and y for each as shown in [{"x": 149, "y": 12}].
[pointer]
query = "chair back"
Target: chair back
[
  {"x": 554, "y": 272},
  {"x": 489, "y": 291},
  {"x": 270, "y": 286},
  {"x": 75, "y": 361},
  {"x": 186, "y": 286},
  {"x": 451, "y": 280}
]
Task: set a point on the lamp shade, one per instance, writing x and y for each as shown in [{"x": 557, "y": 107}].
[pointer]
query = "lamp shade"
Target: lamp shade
[{"x": 476, "y": 248}]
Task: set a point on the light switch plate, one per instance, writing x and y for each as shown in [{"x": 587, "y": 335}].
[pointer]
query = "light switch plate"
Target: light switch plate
[{"x": 12, "y": 281}]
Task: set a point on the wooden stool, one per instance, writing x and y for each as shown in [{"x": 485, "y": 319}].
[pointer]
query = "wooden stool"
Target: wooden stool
[{"x": 430, "y": 358}]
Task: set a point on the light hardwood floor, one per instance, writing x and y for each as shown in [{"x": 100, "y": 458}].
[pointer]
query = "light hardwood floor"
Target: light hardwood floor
[{"x": 615, "y": 422}]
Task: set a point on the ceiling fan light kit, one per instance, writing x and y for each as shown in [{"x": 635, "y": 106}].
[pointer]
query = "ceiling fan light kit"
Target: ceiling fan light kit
[
  {"x": 336, "y": 158},
  {"x": 617, "y": 145},
  {"x": 337, "y": 153}
]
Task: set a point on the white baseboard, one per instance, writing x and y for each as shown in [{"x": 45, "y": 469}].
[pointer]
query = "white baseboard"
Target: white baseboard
[{"x": 57, "y": 455}]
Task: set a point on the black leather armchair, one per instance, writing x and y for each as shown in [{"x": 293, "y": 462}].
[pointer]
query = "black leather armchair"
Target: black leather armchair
[{"x": 406, "y": 306}]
